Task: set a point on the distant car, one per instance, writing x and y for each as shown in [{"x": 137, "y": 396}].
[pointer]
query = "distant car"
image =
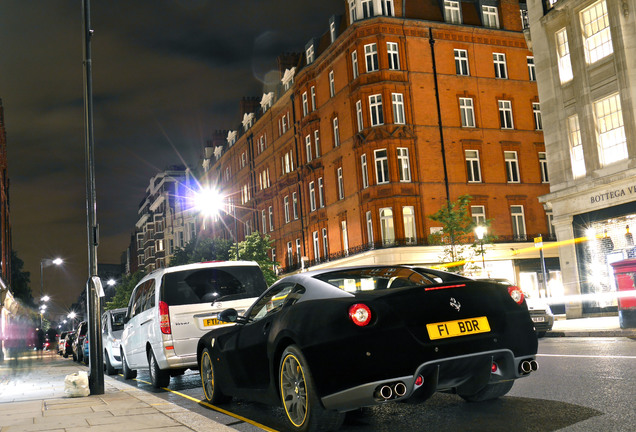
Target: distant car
[
  {"x": 78, "y": 342},
  {"x": 541, "y": 315},
  {"x": 324, "y": 342},
  {"x": 60, "y": 343},
  {"x": 112, "y": 328},
  {"x": 171, "y": 308}
]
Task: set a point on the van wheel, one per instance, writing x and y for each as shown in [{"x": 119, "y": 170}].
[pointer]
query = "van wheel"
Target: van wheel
[
  {"x": 158, "y": 377},
  {"x": 110, "y": 370},
  {"x": 127, "y": 372}
]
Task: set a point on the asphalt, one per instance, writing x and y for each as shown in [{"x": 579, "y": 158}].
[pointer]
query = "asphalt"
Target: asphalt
[{"x": 33, "y": 398}]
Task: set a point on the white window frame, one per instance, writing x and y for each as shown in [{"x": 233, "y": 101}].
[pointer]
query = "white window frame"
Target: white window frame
[
  {"x": 512, "y": 167},
  {"x": 381, "y": 166},
  {"x": 388, "y": 9},
  {"x": 505, "y": 114},
  {"x": 376, "y": 114},
  {"x": 404, "y": 164},
  {"x": 365, "y": 171},
  {"x": 563, "y": 54},
  {"x": 518, "y": 222},
  {"x": 308, "y": 153},
  {"x": 393, "y": 53},
  {"x": 387, "y": 228},
  {"x": 325, "y": 242},
  {"x": 467, "y": 112},
  {"x": 305, "y": 104},
  {"x": 369, "y": 219},
  {"x": 478, "y": 215},
  {"x": 353, "y": 11},
  {"x": 345, "y": 236},
  {"x": 490, "y": 15},
  {"x": 499, "y": 62},
  {"x": 290, "y": 254},
  {"x": 286, "y": 205},
  {"x": 332, "y": 84},
  {"x": 341, "y": 193},
  {"x": 367, "y": 8},
  {"x": 410, "y": 229},
  {"x": 461, "y": 62},
  {"x": 316, "y": 245},
  {"x": 397, "y": 102},
  {"x": 309, "y": 54},
  {"x": 543, "y": 166},
  {"x": 317, "y": 142},
  {"x": 610, "y": 130},
  {"x": 354, "y": 64},
  {"x": 536, "y": 112},
  {"x": 336, "y": 132},
  {"x": 595, "y": 29},
  {"x": 532, "y": 69},
  {"x": 371, "y": 57},
  {"x": 313, "y": 98},
  {"x": 473, "y": 166},
  {"x": 577, "y": 158},
  {"x": 359, "y": 116},
  {"x": 321, "y": 192},
  {"x": 452, "y": 12},
  {"x": 295, "y": 205},
  {"x": 312, "y": 196},
  {"x": 271, "y": 218}
]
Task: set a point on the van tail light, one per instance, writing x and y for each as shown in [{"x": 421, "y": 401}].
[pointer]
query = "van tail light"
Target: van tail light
[
  {"x": 516, "y": 294},
  {"x": 360, "y": 314},
  {"x": 164, "y": 318}
]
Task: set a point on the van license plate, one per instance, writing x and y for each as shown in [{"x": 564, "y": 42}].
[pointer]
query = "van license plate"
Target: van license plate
[
  {"x": 209, "y": 322},
  {"x": 462, "y": 327}
]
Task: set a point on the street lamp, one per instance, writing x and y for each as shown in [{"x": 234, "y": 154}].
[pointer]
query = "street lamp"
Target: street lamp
[
  {"x": 72, "y": 316},
  {"x": 46, "y": 262},
  {"x": 210, "y": 202},
  {"x": 480, "y": 232}
]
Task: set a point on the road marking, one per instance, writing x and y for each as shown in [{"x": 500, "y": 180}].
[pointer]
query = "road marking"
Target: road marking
[{"x": 587, "y": 356}]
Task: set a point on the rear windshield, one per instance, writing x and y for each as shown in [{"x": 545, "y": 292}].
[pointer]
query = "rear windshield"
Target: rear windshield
[
  {"x": 117, "y": 320},
  {"x": 210, "y": 285},
  {"x": 378, "y": 278}
]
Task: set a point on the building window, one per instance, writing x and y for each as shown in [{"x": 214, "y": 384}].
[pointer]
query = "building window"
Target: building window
[
  {"x": 536, "y": 111},
  {"x": 271, "y": 218},
  {"x": 354, "y": 64},
  {"x": 386, "y": 226},
  {"x": 305, "y": 104},
  {"x": 478, "y": 215},
  {"x": 490, "y": 16},
  {"x": 597, "y": 38},
  {"x": 381, "y": 166},
  {"x": 499, "y": 60},
  {"x": 369, "y": 228},
  {"x": 264, "y": 221},
  {"x": 313, "y": 98},
  {"x": 286, "y": 205},
  {"x": 321, "y": 192},
  {"x": 336, "y": 133},
  {"x": 375, "y": 110},
  {"x": 290, "y": 254},
  {"x": 397, "y": 100},
  {"x": 317, "y": 142},
  {"x": 452, "y": 12},
  {"x": 308, "y": 148},
  {"x": 404, "y": 164},
  {"x": 387, "y": 8},
  {"x": 563, "y": 54},
  {"x": 316, "y": 245},
  {"x": 512, "y": 166},
  {"x": 543, "y": 165},
  {"x": 295, "y": 205},
  {"x": 550, "y": 217},
  {"x": 359, "y": 116},
  {"x": 312, "y": 196},
  {"x": 610, "y": 130},
  {"x": 532, "y": 71},
  {"x": 298, "y": 250},
  {"x": 345, "y": 237},
  {"x": 310, "y": 54},
  {"x": 394, "y": 55},
  {"x": 461, "y": 62},
  {"x": 505, "y": 114},
  {"x": 341, "y": 193},
  {"x": 371, "y": 57},
  {"x": 576, "y": 147},
  {"x": 473, "y": 169},
  {"x": 332, "y": 84},
  {"x": 365, "y": 171},
  {"x": 408, "y": 216},
  {"x": 518, "y": 222},
  {"x": 325, "y": 243},
  {"x": 467, "y": 112},
  {"x": 367, "y": 8}
]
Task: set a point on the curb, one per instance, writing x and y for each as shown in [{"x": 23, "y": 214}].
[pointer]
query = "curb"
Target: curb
[{"x": 592, "y": 333}]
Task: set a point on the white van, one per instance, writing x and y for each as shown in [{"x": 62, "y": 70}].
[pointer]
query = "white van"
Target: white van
[
  {"x": 171, "y": 308},
  {"x": 112, "y": 328}
]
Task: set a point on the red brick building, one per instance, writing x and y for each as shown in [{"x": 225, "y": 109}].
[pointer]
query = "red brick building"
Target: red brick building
[
  {"x": 5, "y": 224},
  {"x": 399, "y": 107}
]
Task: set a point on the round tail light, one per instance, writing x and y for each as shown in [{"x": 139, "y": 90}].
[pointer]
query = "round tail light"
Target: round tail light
[
  {"x": 360, "y": 314},
  {"x": 516, "y": 294}
]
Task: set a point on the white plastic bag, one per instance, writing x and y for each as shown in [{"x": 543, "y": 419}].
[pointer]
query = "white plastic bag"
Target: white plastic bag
[{"x": 76, "y": 384}]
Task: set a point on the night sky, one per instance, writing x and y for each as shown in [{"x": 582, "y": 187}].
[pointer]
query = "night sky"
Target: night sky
[{"x": 166, "y": 75}]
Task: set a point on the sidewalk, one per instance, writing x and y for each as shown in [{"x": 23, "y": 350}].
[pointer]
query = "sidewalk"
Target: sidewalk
[
  {"x": 32, "y": 398},
  {"x": 589, "y": 327}
]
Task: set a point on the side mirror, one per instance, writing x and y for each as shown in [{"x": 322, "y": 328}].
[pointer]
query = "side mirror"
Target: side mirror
[{"x": 228, "y": 315}]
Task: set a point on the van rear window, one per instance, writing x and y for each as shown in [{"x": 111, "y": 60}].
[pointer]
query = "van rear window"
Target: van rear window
[
  {"x": 117, "y": 320},
  {"x": 213, "y": 284}
]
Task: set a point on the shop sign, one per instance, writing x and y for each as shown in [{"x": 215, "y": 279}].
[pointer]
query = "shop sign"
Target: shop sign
[{"x": 615, "y": 194}]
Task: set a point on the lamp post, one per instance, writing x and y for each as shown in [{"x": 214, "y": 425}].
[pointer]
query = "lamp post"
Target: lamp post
[{"x": 480, "y": 232}]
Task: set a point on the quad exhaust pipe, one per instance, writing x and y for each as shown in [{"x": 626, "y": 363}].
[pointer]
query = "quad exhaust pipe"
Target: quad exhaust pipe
[
  {"x": 390, "y": 391},
  {"x": 528, "y": 366}
]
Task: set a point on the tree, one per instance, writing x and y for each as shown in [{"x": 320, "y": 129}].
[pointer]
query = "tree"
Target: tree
[
  {"x": 200, "y": 251},
  {"x": 124, "y": 290},
  {"x": 458, "y": 235},
  {"x": 257, "y": 247},
  {"x": 20, "y": 281}
]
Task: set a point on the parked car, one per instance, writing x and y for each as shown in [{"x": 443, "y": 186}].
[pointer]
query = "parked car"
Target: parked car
[
  {"x": 60, "y": 342},
  {"x": 171, "y": 308},
  {"x": 541, "y": 315},
  {"x": 68, "y": 344},
  {"x": 324, "y": 342},
  {"x": 112, "y": 328},
  {"x": 78, "y": 342}
]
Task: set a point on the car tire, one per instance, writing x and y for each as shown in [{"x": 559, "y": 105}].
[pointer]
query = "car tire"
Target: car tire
[
  {"x": 490, "y": 391},
  {"x": 541, "y": 334},
  {"x": 303, "y": 410},
  {"x": 127, "y": 371},
  {"x": 211, "y": 390},
  {"x": 108, "y": 367},
  {"x": 159, "y": 378}
]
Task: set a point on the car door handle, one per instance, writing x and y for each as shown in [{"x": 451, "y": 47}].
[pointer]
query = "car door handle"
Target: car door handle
[{"x": 266, "y": 327}]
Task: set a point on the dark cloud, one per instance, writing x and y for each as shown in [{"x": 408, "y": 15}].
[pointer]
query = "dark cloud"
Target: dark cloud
[{"x": 166, "y": 75}]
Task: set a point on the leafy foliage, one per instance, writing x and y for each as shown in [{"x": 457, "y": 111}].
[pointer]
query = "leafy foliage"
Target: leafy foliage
[
  {"x": 202, "y": 250},
  {"x": 124, "y": 290},
  {"x": 20, "y": 281},
  {"x": 257, "y": 247}
]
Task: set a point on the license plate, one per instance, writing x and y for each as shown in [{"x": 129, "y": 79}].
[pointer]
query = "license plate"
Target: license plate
[
  {"x": 462, "y": 327},
  {"x": 209, "y": 322},
  {"x": 538, "y": 319}
]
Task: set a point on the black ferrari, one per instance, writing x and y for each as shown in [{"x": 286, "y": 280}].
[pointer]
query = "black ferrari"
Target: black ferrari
[{"x": 325, "y": 342}]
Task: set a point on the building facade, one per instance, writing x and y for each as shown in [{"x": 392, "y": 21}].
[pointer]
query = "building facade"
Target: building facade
[
  {"x": 586, "y": 70},
  {"x": 6, "y": 298},
  {"x": 400, "y": 107}
]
